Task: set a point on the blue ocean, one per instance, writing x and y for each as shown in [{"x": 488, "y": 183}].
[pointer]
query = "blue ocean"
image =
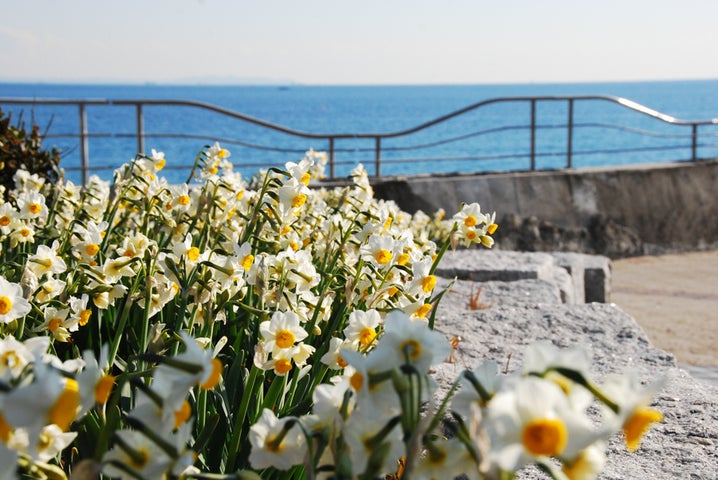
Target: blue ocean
[{"x": 496, "y": 137}]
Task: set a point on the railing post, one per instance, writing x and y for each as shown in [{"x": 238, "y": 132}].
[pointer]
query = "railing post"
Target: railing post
[
  {"x": 377, "y": 156},
  {"x": 84, "y": 147},
  {"x": 533, "y": 134},
  {"x": 569, "y": 148},
  {"x": 140, "y": 129},
  {"x": 331, "y": 158},
  {"x": 694, "y": 141}
]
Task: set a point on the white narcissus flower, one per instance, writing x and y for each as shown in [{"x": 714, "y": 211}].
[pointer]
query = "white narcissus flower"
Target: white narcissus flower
[
  {"x": 45, "y": 261},
  {"x": 172, "y": 382},
  {"x": 138, "y": 453},
  {"x": 275, "y": 443},
  {"x": 49, "y": 399},
  {"x": 532, "y": 420},
  {"x": 405, "y": 341},
  {"x": 488, "y": 378},
  {"x": 380, "y": 250},
  {"x": 361, "y": 435},
  {"x": 282, "y": 331},
  {"x": 362, "y": 329},
  {"x": 58, "y": 323},
  {"x": 635, "y": 415},
  {"x": 12, "y": 303},
  {"x": 15, "y": 355},
  {"x": 32, "y": 205}
]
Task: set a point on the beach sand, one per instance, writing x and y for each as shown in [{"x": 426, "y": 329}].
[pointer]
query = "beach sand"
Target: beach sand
[{"x": 675, "y": 300}]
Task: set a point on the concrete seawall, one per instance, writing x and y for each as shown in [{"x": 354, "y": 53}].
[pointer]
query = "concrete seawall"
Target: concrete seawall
[{"x": 671, "y": 205}]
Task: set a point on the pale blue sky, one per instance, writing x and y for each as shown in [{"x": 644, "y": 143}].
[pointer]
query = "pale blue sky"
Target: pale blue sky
[{"x": 358, "y": 42}]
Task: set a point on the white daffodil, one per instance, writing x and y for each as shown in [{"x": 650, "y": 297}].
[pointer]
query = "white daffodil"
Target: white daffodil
[
  {"x": 194, "y": 366},
  {"x": 380, "y": 250},
  {"x": 276, "y": 442},
  {"x": 485, "y": 381},
  {"x": 12, "y": 303},
  {"x": 8, "y": 215},
  {"x": 15, "y": 355},
  {"x": 532, "y": 421},
  {"x": 58, "y": 323},
  {"x": 446, "y": 459},
  {"x": 282, "y": 331},
  {"x": 51, "y": 442},
  {"x": 45, "y": 261},
  {"x": 333, "y": 358},
  {"x": 365, "y": 434},
  {"x": 362, "y": 328},
  {"x": 95, "y": 381},
  {"x": 635, "y": 415},
  {"x": 32, "y": 205},
  {"x": 139, "y": 454},
  {"x": 49, "y": 289},
  {"x": 49, "y": 399},
  {"x": 407, "y": 342}
]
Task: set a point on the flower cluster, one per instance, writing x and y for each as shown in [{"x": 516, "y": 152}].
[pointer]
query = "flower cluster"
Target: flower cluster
[
  {"x": 223, "y": 327},
  {"x": 373, "y": 421}
]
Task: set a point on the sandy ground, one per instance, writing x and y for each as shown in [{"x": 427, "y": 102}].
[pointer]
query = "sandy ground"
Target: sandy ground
[{"x": 675, "y": 299}]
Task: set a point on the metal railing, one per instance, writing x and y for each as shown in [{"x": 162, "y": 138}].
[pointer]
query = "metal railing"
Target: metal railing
[{"x": 379, "y": 138}]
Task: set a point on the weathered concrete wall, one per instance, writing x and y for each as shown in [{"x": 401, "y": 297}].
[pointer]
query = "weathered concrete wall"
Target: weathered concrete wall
[{"x": 665, "y": 204}]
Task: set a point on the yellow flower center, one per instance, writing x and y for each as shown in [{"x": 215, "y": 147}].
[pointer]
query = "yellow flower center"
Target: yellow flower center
[
  {"x": 387, "y": 224},
  {"x": 5, "y": 305},
  {"x": 64, "y": 410},
  {"x": 383, "y": 256},
  {"x": 411, "y": 348},
  {"x": 366, "y": 336},
  {"x": 214, "y": 377},
  {"x": 35, "y": 208},
  {"x": 299, "y": 200},
  {"x": 282, "y": 366},
  {"x": 471, "y": 235},
  {"x": 492, "y": 228},
  {"x": 247, "y": 261},
  {"x": 4, "y": 221},
  {"x": 284, "y": 338},
  {"x": 423, "y": 310},
  {"x": 240, "y": 194},
  {"x": 193, "y": 254},
  {"x": 403, "y": 258},
  {"x": 104, "y": 388},
  {"x": 545, "y": 437},
  {"x": 356, "y": 381},
  {"x": 637, "y": 425},
  {"x": 223, "y": 152},
  {"x": 341, "y": 362},
  {"x": 9, "y": 359},
  {"x": 25, "y": 232},
  {"x": 285, "y": 230},
  {"x": 470, "y": 221},
  {"x": 428, "y": 283},
  {"x": 213, "y": 170},
  {"x": 305, "y": 178},
  {"x": 160, "y": 164},
  {"x": 5, "y": 429},
  {"x": 92, "y": 249},
  {"x": 85, "y": 317},
  {"x": 393, "y": 291},
  {"x": 54, "y": 324},
  {"x": 183, "y": 414},
  {"x": 139, "y": 460},
  {"x": 183, "y": 200}
]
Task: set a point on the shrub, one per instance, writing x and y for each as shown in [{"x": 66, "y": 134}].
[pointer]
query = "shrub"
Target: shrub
[{"x": 21, "y": 149}]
